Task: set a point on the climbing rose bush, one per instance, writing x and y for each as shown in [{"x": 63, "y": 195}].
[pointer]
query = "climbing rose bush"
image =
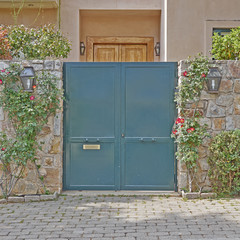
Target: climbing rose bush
[{"x": 187, "y": 130}]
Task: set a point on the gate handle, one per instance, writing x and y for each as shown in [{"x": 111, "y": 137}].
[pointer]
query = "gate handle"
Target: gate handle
[
  {"x": 147, "y": 140},
  {"x": 92, "y": 140}
]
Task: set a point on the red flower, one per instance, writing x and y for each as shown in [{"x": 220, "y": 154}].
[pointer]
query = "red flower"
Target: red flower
[
  {"x": 203, "y": 75},
  {"x": 32, "y": 98},
  {"x": 189, "y": 130},
  {"x": 174, "y": 132},
  {"x": 181, "y": 126},
  {"x": 34, "y": 86},
  {"x": 180, "y": 120},
  {"x": 1, "y": 81},
  {"x": 3, "y": 149},
  {"x": 3, "y": 70},
  {"x": 185, "y": 74}
]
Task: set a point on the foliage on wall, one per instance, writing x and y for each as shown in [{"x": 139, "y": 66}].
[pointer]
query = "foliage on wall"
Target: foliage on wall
[
  {"x": 226, "y": 47},
  {"x": 224, "y": 162},
  {"x": 28, "y": 112},
  {"x": 187, "y": 130}
]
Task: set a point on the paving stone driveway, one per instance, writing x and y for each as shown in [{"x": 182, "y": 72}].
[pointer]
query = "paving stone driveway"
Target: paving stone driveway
[{"x": 121, "y": 217}]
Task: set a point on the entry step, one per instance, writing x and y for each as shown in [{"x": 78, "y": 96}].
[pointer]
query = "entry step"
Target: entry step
[{"x": 122, "y": 193}]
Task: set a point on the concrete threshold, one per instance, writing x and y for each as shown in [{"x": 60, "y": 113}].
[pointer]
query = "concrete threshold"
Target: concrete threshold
[{"x": 121, "y": 193}]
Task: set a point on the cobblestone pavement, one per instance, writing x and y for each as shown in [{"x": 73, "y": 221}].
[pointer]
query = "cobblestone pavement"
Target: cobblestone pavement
[{"x": 121, "y": 217}]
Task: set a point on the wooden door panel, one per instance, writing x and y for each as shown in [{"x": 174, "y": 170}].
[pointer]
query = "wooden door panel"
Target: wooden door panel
[
  {"x": 120, "y": 49},
  {"x": 134, "y": 53},
  {"x": 106, "y": 53}
]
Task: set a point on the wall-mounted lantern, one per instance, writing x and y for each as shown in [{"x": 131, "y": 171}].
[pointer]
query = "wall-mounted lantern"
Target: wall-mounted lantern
[
  {"x": 157, "y": 49},
  {"x": 82, "y": 48},
  {"x": 214, "y": 78},
  {"x": 27, "y": 77}
]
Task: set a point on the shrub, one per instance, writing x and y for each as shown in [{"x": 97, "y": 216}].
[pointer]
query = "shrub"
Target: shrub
[
  {"x": 37, "y": 43},
  {"x": 226, "y": 47},
  {"x": 224, "y": 162}
]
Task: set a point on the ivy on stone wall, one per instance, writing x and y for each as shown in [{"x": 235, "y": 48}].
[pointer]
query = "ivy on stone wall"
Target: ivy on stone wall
[
  {"x": 187, "y": 130},
  {"x": 28, "y": 112}
]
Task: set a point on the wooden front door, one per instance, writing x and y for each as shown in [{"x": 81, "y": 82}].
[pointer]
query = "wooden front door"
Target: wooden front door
[{"x": 119, "y": 49}]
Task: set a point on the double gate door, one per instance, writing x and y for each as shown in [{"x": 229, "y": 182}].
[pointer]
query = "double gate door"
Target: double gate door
[{"x": 117, "y": 125}]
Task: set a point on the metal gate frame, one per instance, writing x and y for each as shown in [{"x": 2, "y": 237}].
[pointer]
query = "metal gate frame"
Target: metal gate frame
[{"x": 166, "y": 64}]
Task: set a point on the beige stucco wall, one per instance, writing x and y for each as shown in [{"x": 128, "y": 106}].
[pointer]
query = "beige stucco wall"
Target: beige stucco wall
[
  {"x": 184, "y": 26},
  {"x": 190, "y": 24},
  {"x": 29, "y": 17}
]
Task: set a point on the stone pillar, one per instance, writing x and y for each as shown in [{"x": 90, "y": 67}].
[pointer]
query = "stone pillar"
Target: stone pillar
[
  {"x": 221, "y": 112},
  {"x": 50, "y": 157}
]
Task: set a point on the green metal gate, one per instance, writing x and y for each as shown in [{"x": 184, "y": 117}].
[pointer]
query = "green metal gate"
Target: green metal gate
[{"x": 117, "y": 125}]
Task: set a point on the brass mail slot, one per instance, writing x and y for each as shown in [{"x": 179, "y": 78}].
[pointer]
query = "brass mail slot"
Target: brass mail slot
[{"x": 91, "y": 147}]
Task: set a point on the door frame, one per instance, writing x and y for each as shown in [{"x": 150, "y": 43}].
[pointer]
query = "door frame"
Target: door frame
[{"x": 149, "y": 41}]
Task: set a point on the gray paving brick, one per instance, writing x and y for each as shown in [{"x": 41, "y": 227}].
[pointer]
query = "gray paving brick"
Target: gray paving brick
[{"x": 142, "y": 217}]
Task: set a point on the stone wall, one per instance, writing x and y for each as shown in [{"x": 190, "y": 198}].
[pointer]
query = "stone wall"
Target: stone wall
[
  {"x": 50, "y": 158},
  {"x": 220, "y": 112}
]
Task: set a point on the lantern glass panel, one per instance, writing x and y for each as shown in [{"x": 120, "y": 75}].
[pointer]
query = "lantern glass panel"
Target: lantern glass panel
[
  {"x": 27, "y": 83},
  {"x": 213, "y": 80}
]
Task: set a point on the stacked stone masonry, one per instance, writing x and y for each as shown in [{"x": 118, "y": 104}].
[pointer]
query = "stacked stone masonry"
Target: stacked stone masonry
[
  {"x": 221, "y": 112},
  {"x": 50, "y": 158}
]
